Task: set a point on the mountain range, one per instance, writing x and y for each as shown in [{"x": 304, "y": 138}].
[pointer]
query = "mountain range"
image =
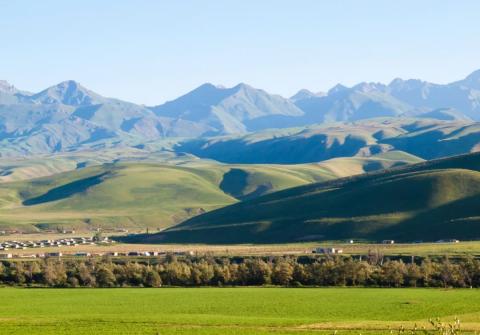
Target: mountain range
[{"x": 70, "y": 117}]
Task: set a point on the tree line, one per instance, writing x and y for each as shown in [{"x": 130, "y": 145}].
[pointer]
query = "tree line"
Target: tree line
[{"x": 253, "y": 271}]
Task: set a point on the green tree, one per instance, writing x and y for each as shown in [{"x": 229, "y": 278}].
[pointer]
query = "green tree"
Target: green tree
[
  {"x": 105, "y": 277},
  {"x": 33, "y": 272},
  {"x": 300, "y": 275},
  {"x": 202, "y": 273},
  {"x": 177, "y": 273},
  {"x": 255, "y": 272},
  {"x": 85, "y": 276},
  {"x": 428, "y": 270},
  {"x": 282, "y": 273},
  {"x": 17, "y": 273},
  {"x": 134, "y": 273},
  {"x": 413, "y": 275},
  {"x": 394, "y": 273},
  {"x": 54, "y": 273},
  {"x": 221, "y": 274},
  {"x": 152, "y": 278}
]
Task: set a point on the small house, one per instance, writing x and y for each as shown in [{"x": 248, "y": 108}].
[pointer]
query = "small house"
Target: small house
[
  {"x": 328, "y": 251},
  {"x": 28, "y": 256},
  {"x": 448, "y": 241},
  {"x": 53, "y": 254},
  {"x": 134, "y": 253},
  {"x": 82, "y": 254}
]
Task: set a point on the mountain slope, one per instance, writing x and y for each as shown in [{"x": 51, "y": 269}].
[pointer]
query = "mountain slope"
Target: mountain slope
[
  {"x": 68, "y": 116},
  {"x": 67, "y": 93},
  {"x": 305, "y": 94},
  {"x": 425, "y": 138},
  {"x": 445, "y": 114},
  {"x": 399, "y": 98},
  {"x": 9, "y": 94},
  {"x": 227, "y": 110},
  {"x": 463, "y": 95},
  {"x": 427, "y": 201},
  {"x": 363, "y": 101}
]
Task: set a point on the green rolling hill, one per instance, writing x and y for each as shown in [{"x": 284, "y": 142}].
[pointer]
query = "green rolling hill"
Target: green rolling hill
[
  {"x": 427, "y": 201},
  {"x": 150, "y": 194}
]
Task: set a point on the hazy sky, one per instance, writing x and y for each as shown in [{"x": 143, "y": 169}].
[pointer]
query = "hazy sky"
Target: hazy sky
[{"x": 152, "y": 51}]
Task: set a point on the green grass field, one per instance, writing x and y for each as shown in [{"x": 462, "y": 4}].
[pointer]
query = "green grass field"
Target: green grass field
[{"x": 230, "y": 310}]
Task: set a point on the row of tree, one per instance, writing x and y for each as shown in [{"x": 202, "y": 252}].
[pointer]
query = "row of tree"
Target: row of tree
[{"x": 257, "y": 271}]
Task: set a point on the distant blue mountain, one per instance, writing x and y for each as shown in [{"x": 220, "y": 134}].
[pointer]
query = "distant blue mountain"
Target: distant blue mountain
[
  {"x": 68, "y": 116},
  {"x": 227, "y": 110},
  {"x": 399, "y": 98}
]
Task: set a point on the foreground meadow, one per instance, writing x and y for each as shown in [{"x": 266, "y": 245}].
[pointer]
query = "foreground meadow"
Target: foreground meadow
[{"x": 230, "y": 310}]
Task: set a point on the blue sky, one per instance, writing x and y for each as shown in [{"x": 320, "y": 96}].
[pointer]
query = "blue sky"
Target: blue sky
[{"x": 152, "y": 51}]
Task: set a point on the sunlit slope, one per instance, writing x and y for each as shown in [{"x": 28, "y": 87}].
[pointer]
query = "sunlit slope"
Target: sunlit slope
[
  {"x": 14, "y": 170},
  {"x": 155, "y": 195},
  {"x": 427, "y": 201},
  {"x": 30, "y": 167},
  {"x": 122, "y": 195}
]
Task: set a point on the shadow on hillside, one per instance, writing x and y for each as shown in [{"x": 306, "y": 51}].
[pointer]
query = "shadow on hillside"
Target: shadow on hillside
[
  {"x": 66, "y": 190},
  {"x": 235, "y": 182}
]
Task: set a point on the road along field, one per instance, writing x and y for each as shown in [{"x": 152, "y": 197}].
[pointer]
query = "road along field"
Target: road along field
[{"x": 231, "y": 310}]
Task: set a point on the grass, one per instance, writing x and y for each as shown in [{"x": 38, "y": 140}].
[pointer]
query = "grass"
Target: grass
[
  {"x": 154, "y": 194},
  {"x": 127, "y": 195},
  {"x": 229, "y": 310}
]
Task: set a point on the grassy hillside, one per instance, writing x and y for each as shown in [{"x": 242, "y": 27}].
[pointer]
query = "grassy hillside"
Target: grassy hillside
[
  {"x": 122, "y": 195},
  {"x": 156, "y": 195},
  {"x": 427, "y": 201}
]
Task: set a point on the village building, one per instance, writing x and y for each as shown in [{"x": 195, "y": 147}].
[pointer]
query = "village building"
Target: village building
[{"x": 328, "y": 251}]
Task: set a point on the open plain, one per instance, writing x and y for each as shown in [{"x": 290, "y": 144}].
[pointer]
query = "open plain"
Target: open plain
[{"x": 232, "y": 310}]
